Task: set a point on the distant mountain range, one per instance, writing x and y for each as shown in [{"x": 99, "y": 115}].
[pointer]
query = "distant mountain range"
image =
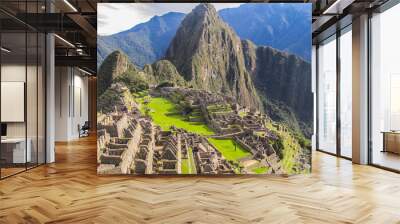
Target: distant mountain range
[
  {"x": 285, "y": 27},
  {"x": 206, "y": 53},
  {"x": 144, "y": 43}
]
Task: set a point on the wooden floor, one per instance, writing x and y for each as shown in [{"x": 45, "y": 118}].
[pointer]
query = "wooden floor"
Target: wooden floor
[
  {"x": 69, "y": 191},
  {"x": 5, "y": 172}
]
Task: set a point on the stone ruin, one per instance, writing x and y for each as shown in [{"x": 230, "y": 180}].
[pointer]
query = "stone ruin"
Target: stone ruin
[
  {"x": 261, "y": 148},
  {"x": 209, "y": 160},
  {"x": 228, "y": 119},
  {"x": 117, "y": 135},
  {"x": 129, "y": 143}
]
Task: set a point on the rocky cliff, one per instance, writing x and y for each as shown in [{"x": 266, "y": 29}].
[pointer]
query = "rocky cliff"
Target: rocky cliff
[
  {"x": 284, "y": 82},
  {"x": 113, "y": 66},
  {"x": 164, "y": 71},
  {"x": 209, "y": 55}
]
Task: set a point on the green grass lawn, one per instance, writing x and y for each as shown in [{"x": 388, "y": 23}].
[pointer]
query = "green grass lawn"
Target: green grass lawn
[
  {"x": 185, "y": 166},
  {"x": 227, "y": 148},
  {"x": 165, "y": 114},
  {"x": 188, "y": 165},
  {"x": 260, "y": 170},
  {"x": 289, "y": 151},
  {"x": 193, "y": 164}
]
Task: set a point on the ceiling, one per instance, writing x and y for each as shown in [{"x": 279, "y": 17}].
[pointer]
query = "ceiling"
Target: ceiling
[{"x": 75, "y": 22}]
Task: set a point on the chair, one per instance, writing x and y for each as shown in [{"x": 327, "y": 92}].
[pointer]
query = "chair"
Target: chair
[{"x": 84, "y": 130}]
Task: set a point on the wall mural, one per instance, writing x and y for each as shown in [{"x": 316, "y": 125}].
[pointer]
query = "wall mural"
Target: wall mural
[{"x": 204, "y": 88}]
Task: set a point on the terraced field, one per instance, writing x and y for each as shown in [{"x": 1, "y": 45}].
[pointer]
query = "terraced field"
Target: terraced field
[
  {"x": 290, "y": 151},
  {"x": 165, "y": 114},
  {"x": 260, "y": 170},
  {"x": 188, "y": 165},
  {"x": 229, "y": 149}
]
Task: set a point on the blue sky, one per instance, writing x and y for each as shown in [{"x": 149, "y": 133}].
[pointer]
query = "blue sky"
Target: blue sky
[{"x": 116, "y": 17}]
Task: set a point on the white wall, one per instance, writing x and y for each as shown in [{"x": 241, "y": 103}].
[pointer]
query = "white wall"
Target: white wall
[
  {"x": 33, "y": 126},
  {"x": 17, "y": 73},
  {"x": 61, "y": 103},
  {"x": 71, "y": 103},
  {"x": 81, "y": 89},
  {"x": 14, "y": 73}
]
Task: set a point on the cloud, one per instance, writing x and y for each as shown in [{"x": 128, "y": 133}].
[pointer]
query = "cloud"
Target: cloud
[{"x": 116, "y": 17}]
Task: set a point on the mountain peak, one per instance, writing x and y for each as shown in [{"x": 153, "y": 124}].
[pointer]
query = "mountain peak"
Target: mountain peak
[
  {"x": 204, "y": 12},
  {"x": 117, "y": 53},
  {"x": 205, "y": 8},
  {"x": 208, "y": 54},
  {"x": 113, "y": 66}
]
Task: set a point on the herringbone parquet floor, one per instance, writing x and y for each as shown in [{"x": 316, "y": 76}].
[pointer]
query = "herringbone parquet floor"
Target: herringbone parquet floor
[{"x": 69, "y": 191}]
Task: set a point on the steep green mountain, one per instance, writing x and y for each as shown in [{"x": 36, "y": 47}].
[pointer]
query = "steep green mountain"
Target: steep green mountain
[
  {"x": 209, "y": 55},
  {"x": 164, "y": 71},
  {"x": 286, "y": 27},
  {"x": 206, "y": 53},
  {"x": 136, "y": 81},
  {"x": 284, "y": 82},
  {"x": 113, "y": 66},
  {"x": 144, "y": 43},
  {"x": 117, "y": 68}
]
